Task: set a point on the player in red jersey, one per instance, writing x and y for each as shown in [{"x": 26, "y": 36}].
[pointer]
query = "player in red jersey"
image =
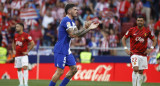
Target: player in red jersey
[
  {"x": 20, "y": 47},
  {"x": 138, "y": 49}
]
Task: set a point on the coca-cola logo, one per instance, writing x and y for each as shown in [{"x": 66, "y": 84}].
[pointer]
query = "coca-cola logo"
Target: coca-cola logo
[{"x": 100, "y": 73}]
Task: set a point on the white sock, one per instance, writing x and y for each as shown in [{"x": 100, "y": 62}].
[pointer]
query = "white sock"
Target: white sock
[
  {"x": 134, "y": 78},
  {"x": 140, "y": 79},
  {"x": 20, "y": 77},
  {"x": 25, "y": 77}
]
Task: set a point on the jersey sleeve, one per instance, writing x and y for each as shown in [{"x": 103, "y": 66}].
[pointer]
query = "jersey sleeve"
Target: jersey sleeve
[
  {"x": 66, "y": 23},
  {"x": 29, "y": 38},
  {"x": 150, "y": 35},
  {"x": 128, "y": 33}
]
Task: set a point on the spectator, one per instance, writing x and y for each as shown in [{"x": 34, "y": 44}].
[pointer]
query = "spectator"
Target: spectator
[
  {"x": 156, "y": 9},
  {"x": 104, "y": 44},
  {"x": 147, "y": 9},
  {"x": 49, "y": 36},
  {"x": 36, "y": 34},
  {"x": 47, "y": 19},
  {"x": 113, "y": 40},
  {"x": 88, "y": 15},
  {"x": 157, "y": 27},
  {"x": 86, "y": 56},
  {"x": 78, "y": 42},
  {"x": 158, "y": 58},
  {"x": 124, "y": 10},
  {"x": 93, "y": 44},
  {"x": 3, "y": 52},
  {"x": 139, "y": 7},
  {"x": 60, "y": 11}
]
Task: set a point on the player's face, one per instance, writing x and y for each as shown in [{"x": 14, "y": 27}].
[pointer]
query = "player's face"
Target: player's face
[
  {"x": 74, "y": 12},
  {"x": 18, "y": 28},
  {"x": 140, "y": 22}
]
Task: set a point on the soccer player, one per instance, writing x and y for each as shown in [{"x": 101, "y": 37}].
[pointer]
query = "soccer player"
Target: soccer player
[
  {"x": 62, "y": 54},
  {"x": 138, "y": 49},
  {"x": 20, "y": 47}
]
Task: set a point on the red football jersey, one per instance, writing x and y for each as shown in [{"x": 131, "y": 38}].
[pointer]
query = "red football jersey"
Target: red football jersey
[
  {"x": 138, "y": 39},
  {"x": 21, "y": 41}
]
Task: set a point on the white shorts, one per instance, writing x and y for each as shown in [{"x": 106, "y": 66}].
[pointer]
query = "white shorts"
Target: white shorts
[
  {"x": 140, "y": 61},
  {"x": 21, "y": 61}
]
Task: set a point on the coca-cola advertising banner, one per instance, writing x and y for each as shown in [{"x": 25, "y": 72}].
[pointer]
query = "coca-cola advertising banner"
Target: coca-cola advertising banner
[{"x": 86, "y": 72}]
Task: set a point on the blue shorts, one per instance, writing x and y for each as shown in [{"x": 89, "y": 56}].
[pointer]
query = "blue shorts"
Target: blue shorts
[{"x": 61, "y": 60}]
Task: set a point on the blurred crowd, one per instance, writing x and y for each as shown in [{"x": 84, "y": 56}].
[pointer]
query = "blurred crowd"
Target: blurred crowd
[{"x": 42, "y": 17}]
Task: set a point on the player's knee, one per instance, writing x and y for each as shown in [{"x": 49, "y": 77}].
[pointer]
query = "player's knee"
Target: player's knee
[
  {"x": 135, "y": 69},
  {"x": 25, "y": 68},
  {"x": 60, "y": 72},
  {"x": 19, "y": 69},
  {"x": 140, "y": 71},
  {"x": 75, "y": 70}
]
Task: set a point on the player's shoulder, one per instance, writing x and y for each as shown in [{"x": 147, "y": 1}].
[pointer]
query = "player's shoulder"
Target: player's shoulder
[
  {"x": 147, "y": 28},
  {"x": 24, "y": 33},
  {"x": 65, "y": 19},
  {"x": 132, "y": 28}
]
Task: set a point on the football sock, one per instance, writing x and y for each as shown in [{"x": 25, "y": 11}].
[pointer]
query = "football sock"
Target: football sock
[
  {"x": 20, "y": 77},
  {"x": 52, "y": 83},
  {"x": 134, "y": 78},
  {"x": 64, "y": 82},
  {"x": 140, "y": 79},
  {"x": 25, "y": 77}
]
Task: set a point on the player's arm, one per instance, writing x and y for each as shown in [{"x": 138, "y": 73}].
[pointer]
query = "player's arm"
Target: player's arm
[
  {"x": 154, "y": 42},
  {"x": 124, "y": 43},
  {"x": 13, "y": 47},
  {"x": 152, "y": 47},
  {"x": 151, "y": 36},
  {"x": 31, "y": 45},
  {"x": 74, "y": 32}
]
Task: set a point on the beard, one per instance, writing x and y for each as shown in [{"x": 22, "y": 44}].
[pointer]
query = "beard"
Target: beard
[
  {"x": 17, "y": 31},
  {"x": 140, "y": 25}
]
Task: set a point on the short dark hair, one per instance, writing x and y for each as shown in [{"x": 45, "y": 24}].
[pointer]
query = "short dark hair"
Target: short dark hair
[
  {"x": 140, "y": 16},
  {"x": 68, "y": 6},
  {"x": 21, "y": 24}
]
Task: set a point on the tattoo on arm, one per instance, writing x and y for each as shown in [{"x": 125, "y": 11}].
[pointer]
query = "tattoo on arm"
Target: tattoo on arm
[{"x": 77, "y": 33}]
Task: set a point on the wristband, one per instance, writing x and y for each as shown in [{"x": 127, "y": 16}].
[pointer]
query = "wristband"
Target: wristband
[
  {"x": 125, "y": 48},
  {"x": 152, "y": 47}
]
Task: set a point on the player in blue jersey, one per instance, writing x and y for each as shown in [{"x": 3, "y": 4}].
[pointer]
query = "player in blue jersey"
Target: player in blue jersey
[{"x": 62, "y": 54}]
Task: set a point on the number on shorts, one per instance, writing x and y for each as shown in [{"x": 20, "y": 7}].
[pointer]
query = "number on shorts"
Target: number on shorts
[{"x": 134, "y": 59}]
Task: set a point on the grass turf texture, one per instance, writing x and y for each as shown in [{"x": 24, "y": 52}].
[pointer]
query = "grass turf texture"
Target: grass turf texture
[{"x": 72, "y": 83}]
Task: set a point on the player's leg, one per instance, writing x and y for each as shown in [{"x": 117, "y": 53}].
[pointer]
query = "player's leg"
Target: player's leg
[
  {"x": 140, "y": 78},
  {"x": 142, "y": 65},
  {"x": 59, "y": 61},
  {"x": 56, "y": 76},
  {"x": 69, "y": 75},
  {"x": 18, "y": 65},
  {"x": 25, "y": 69},
  {"x": 134, "y": 61},
  {"x": 70, "y": 61}
]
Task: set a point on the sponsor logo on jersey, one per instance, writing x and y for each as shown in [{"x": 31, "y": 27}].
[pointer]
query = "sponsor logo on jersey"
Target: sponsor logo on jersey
[
  {"x": 68, "y": 24},
  {"x": 140, "y": 39},
  {"x": 145, "y": 34}
]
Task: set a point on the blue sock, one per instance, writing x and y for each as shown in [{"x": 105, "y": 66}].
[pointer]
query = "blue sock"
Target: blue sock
[
  {"x": 52, "y": 83},
  {"x": 64, "y": 82}
]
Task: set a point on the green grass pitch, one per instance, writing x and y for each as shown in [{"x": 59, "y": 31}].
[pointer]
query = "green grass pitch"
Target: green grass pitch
[{"x": 72, "y": 83}]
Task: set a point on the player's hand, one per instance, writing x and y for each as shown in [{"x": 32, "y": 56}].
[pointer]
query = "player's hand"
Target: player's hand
[
  {"x": 25, "y": 53},
  {"x": 128, "y": 52},
  {"x": 87, "y": 24},
  {"x": 148, "y": 51},
  {"x": 93, "y": 26}
]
